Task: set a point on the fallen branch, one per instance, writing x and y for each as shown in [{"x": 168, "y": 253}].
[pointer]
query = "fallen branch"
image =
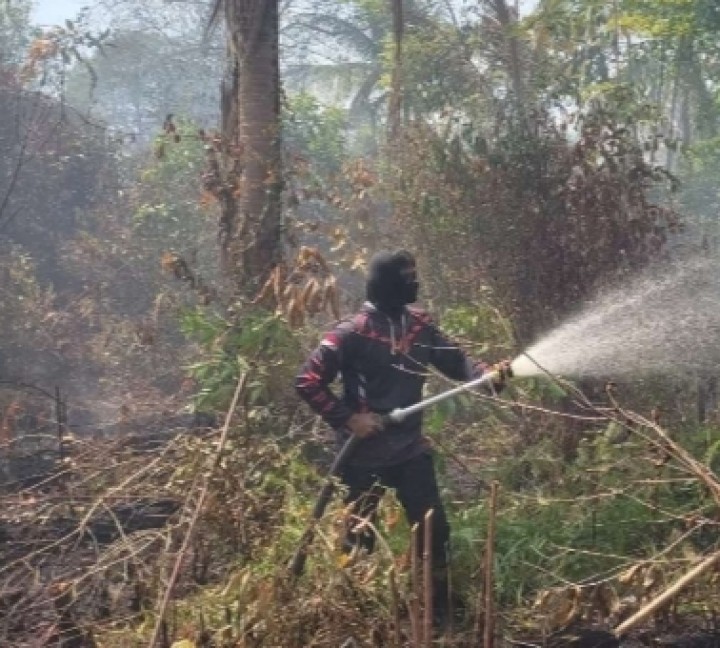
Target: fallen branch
[
  {"x": 196, "y": 513},
  {"x": 489, "y": 634},
  {"x": 667, "y": 595}
]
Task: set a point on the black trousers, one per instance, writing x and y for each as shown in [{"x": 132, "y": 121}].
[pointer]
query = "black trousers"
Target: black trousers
[{"x": 416, "y": 487}]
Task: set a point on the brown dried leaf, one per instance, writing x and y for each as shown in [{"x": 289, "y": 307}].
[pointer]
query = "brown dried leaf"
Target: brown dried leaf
[
  {"x": 559, "y": 607},
  {"x": 295, "y": 313},
  {"x": 278, "y": 277},
  {"x": 168, "y": 260},
  {"x": 630, "y": 576},
  {"x": 312, "y": 297},
  {"x": 290, "y": 294},
  {"x": 653, "y": 578},
  {"x": 605, "y": 600},
  {"x": 331, "y": 299},
  {"x": 266, "y": 291}
]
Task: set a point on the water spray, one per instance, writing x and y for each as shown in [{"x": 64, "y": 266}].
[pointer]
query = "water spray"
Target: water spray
[{"x": 664, "y": 322}]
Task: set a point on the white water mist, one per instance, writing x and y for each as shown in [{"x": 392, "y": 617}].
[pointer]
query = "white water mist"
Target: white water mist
[{"x": 668, "y": 320}]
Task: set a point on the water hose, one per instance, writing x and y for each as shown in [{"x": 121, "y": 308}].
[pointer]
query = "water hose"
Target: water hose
[{"x": 296, "y": 565}]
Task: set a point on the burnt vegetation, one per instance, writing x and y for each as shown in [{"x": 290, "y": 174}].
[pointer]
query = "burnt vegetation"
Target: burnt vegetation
[{"x": 175, "y": 236}]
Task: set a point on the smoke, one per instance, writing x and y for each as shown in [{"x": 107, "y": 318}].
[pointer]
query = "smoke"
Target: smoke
[{"x": 666, "y": 321}]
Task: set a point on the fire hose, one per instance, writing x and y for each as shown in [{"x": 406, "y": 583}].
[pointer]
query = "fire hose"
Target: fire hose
[{"x": 296, "y": 565}]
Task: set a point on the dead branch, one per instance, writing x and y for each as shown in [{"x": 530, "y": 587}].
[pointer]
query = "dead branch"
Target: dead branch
[
  {"x": 239, "y": 390},
  {"x": 666, "y": 596}
]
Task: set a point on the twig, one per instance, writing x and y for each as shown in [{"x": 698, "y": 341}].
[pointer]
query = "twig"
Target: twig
[
  {"x": 427, "y": 578},
  {"x": 701, "y": 471},
  {"x": 667, "y": 595},
  {"x": 77, "y": 532},
  {"x": 489, "y": 634},
  {"x": 196, "y": 513},
  {"x": 395, "y": 597},
  {"x": 60, "y": 418},
  {"x": 415, "y": 583}
]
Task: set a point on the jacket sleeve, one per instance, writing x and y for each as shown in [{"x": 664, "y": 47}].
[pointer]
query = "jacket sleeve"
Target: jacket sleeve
[
  {"x": 447, "y": 356},
  {"x": 319, "y": 371}
]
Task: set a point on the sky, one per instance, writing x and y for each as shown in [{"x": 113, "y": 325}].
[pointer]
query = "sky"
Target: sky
[{"x": 53, "y": 12}]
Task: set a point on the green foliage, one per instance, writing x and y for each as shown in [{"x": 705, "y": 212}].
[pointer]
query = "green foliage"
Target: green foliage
[
  {"x": 316, "y": 133},
  {"x": 168, "y": 198},
  {"x": 436, "y": 71},
  {"x": 257, "y": 340},
  {"x": 15, "y": 33},
  {"x": 670, "y": 18},
  {"x": 168, "y": 209},
  {"x": 480, "y": 324},
  {"x": 566, "y": 522},
  {"x": 23, "y": 301}
]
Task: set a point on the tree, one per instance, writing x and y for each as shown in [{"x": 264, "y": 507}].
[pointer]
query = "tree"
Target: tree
[
  {"x": 15, "y": 33},
  {"x": 251, "y": 177},
  {"x": 350, "y": 50}
]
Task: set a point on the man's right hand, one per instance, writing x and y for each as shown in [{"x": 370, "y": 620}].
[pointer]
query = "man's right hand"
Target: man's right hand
[{"x": 364, "y": 425}]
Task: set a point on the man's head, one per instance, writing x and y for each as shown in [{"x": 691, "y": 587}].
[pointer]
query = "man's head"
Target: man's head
[{"x": 392, "y": 281}]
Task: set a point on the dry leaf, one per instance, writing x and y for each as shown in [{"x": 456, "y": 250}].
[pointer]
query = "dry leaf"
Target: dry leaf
[
  {"x": 629, "y": 576},
  {"x": 559, "y": 607},
  {"x": 184, "y": 643},
  {"x": 605, "y": 600}
]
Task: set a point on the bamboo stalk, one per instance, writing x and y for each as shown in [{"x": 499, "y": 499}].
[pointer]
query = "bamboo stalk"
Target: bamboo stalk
[
  {"x": 449, "y": 602},
  {"x": 60, "y": 424},
  {"x": 427, "y": 578},
  {"x": 489, "y": 631},
  {"x": 479, "y": 606},
  {"x": 239, "y": 390},
  {"x": 667, "y": 595},
  {"x": 395, "y": 597},
  {"x": 395, "y": 105},
  {"x": 415, "y": 627}
]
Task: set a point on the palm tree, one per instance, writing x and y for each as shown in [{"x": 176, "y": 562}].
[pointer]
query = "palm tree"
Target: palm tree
[
  {"x": 251, "y": 179},
  {"x": 352, "y": 37}
]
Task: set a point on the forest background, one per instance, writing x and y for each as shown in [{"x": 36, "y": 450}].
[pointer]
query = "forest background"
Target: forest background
[{"x": 189, "y": 195}]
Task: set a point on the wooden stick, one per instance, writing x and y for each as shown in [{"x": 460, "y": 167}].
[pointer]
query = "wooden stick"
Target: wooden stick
[
  {"x": 60, "y": 424},
  {"x": 449, "y": 602},
  {"x": 479, "y": 607},
  {"x": 427, "y": 577},
  {"x": 489, "y": 634},
  {"x": 239, "y": 390},
  {"x": 667, "y": 595},
  {"x": 395, "y": 606},
  {"x": 415, "y": 627}
]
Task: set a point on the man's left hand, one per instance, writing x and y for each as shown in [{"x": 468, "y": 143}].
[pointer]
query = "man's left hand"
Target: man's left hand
[{"x": 502, "y": 371}]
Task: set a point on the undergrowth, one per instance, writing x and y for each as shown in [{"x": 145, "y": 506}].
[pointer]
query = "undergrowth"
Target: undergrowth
[{"x": 591, "y": 536}]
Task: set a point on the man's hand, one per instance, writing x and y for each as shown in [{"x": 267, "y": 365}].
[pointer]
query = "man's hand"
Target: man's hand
[
  {"x": 364, "y": 425},
  {"x": 503, "y": 370}
]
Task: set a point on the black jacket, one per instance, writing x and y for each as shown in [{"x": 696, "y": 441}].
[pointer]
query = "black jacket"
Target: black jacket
[{"x": 384, "y": 363}]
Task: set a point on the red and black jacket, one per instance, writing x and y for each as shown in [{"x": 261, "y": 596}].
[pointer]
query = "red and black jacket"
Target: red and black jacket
[{"x": 383, "y": 363}]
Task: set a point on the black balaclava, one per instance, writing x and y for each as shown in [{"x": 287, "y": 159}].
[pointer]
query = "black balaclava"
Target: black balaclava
[{"x": 392, "y": 281}]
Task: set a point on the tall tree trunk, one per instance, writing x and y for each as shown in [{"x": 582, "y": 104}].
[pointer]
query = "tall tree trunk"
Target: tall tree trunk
[
  {"x": 512, "y": 52},
  {"x": 395, "y": 108},
  {"x": 250, "y": 228}
]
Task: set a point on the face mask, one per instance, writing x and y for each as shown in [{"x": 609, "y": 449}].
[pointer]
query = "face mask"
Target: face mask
[
  {"x": 392, "y": 281},
  {"x": 410, "y": 285}
]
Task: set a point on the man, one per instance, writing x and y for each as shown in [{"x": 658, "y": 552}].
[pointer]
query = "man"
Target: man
[{"x": 383, "y": 354}]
